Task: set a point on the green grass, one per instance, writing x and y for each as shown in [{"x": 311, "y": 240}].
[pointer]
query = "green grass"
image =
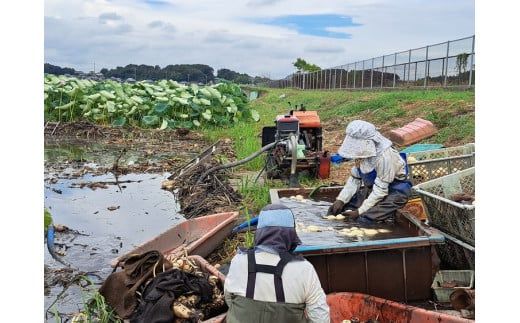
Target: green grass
[
  {"x": 256, "y": 195},
  {"x": 95, "y": 309},
  {"x": 47, "y": 219},
  {"x": 451, "y": 111},
  {"x": 247, "y": 136}
]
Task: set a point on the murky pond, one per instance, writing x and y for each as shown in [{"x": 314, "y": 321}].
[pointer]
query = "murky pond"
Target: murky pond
[{"x": 106, "y": 219}]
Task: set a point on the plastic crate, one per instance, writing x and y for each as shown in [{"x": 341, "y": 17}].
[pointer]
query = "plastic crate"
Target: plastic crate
[
  {"x": 427, "y": 165},
  {"x": 455, "y": 254},
  {"x": 466, "y": 149},
  {"x": 442, "y": 294},
  {"x": 452, "y": 217}
]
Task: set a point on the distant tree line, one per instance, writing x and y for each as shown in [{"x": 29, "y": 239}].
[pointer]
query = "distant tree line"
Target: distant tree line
[
  {"x": 56, "y": 70},
  {"x": 240, "y": 78},
  {"x": 198, "y": 73},
  {"x": 179, "y": 72}
]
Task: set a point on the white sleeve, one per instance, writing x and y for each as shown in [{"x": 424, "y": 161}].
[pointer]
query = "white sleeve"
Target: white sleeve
[
  {"x": 385, "y": 167},
  {"x": 379, "y": 191},
  {"x": 351, "y": 186},
  {"x": 316, "y": 305}
]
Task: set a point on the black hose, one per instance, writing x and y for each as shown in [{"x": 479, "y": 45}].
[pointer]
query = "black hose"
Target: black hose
[{"x": 237, "y": 163}]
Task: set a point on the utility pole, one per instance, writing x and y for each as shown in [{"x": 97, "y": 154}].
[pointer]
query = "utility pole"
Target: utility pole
[
  {"x": 94, "y": 67},
  {"x": 135, "y": 73}
]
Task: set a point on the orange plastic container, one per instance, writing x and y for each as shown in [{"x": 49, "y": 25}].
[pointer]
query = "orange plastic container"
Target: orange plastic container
[
  {"x": 324, "y": 168},
  {"x": 308, "y": 119},
  {"x": 412, "y": 132},
  {"x": 416, "y": 208},
  {"x": 345, "y": 306}
]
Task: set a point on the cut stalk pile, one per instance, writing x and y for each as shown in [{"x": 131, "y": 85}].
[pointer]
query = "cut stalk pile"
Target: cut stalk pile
[{"x": 163, "y": 104}]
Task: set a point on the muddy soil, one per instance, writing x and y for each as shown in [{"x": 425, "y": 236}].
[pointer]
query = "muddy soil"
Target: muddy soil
[{"x": 104, "y": 184}]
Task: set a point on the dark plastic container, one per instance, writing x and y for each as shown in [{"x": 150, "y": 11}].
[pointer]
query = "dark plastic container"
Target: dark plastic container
[{"x": 399, "y": 269}]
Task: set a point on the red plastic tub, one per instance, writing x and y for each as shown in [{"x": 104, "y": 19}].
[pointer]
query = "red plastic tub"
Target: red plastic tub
[
  {"x": 199, "y": 236},
  {"x": 345, "y": 306},
  {"x": 412, "y": 132}
]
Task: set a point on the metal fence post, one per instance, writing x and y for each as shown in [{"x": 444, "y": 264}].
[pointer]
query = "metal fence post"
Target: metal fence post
[
  {"x": 335, "y": 77},
  {"x": 325, "y": 85},
  {"x": 382, "y": 71},
  {"x": 471, "y": 61},
  {"x": 426, "y": 66},
  {"x": 395, "y": 63},
  {"x": 409, "y": 63},
  {"x": 326, "y": 79},
  {"x": 445, "y": 68},
  {"x": 330, "y": 79},
  {"x": 355, "y": 69},
  {"x": 372, "y": 73},
  {"x": 415, "y": 72},
  {"x": 340, "y": 78},
  {"x": 346, "y": 83},
  {"x": 363, "y": 75}
]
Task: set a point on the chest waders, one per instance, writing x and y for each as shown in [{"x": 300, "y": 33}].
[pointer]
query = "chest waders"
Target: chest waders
[{"x": 246, "y": 309}]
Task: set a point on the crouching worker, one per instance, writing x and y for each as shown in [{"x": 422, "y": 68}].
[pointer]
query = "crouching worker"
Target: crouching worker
[
  {"x": 268, "y": 283},
  {"x": 379, "y": 168}
]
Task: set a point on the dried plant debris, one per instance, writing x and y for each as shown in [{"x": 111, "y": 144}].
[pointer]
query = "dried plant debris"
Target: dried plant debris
[
  {"x": 186, "y": 308},
  {"x": 214, "y": 195}
]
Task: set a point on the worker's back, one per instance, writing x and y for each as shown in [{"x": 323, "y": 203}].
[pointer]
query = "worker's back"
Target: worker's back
[{"x": 301, "y": 290}]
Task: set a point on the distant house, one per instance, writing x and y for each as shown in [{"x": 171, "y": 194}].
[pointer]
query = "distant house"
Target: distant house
[{"x": 130, "y": 80}]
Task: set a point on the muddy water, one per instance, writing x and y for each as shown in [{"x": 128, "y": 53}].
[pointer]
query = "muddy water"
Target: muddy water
[
  {"x": 310, "y": 213},
  {"x": 109, "y": 221}
]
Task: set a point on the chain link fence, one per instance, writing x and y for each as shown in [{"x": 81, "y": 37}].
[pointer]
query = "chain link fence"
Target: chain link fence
[{"x": 448, "y": 64}]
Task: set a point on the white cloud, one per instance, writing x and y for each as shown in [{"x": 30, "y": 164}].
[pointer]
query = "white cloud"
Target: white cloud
[
  {"x": 225, "y": 34},
  {"x": 109, "y": 16}
]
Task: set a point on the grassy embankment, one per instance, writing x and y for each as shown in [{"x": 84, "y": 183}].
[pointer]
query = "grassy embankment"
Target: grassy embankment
[{"x": 451, "y": 111}]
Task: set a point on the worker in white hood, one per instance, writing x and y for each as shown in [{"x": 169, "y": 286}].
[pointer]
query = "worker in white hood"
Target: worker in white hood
[{"x": 378, "y": 184}]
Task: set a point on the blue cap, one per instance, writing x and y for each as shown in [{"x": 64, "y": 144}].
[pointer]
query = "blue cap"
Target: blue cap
[{"x": 275, "y": 215}]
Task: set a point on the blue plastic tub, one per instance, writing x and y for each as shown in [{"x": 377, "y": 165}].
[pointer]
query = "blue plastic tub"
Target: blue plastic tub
[{"x": 421, "y": 147}]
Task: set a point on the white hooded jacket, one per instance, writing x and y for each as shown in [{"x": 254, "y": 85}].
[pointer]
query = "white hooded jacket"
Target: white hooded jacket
[{"x": 364, "y": 142}]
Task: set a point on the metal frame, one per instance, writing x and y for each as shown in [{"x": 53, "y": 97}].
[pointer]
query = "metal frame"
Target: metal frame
[{"x": 323, "y": 80}]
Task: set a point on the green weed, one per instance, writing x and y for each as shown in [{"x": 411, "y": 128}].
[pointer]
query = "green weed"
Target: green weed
[
  {"x": 47, "y": 219},
  {"x": 95, "y": 309},
  {"x": 249, "y": 236},
  {"x": 254, "y": 195}
]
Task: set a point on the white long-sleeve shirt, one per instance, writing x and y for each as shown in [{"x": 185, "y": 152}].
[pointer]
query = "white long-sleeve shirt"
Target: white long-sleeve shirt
[
  {"x": 388, "y": 165},
  {"x": 300, "y": 284}
]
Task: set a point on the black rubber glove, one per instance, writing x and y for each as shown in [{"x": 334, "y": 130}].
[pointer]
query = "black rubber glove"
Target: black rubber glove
[
  {"x": 336, "y": 208},
  {"x": 351, "y": 215}
]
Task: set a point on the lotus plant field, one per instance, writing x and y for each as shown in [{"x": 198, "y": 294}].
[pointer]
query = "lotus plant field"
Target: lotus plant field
[{"x": 162, "y": 104}]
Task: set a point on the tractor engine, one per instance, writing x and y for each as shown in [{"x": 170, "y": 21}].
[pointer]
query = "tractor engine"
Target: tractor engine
[{"x": 299, "y": 147}]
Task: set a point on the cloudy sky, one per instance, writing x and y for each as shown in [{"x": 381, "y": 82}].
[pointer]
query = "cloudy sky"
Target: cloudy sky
[{"x": 258, "y": 37}]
